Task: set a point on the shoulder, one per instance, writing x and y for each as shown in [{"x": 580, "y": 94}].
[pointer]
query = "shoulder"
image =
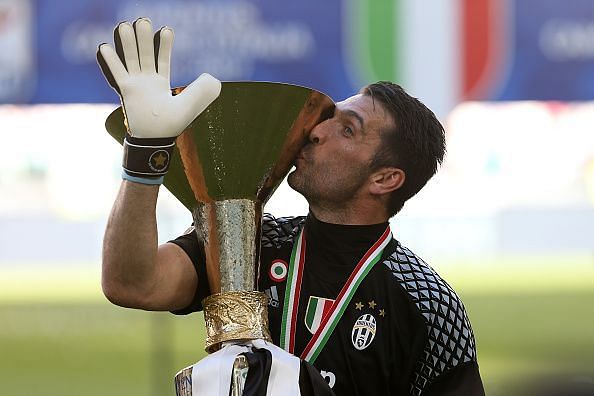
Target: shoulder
[
  {"x": 279, "y": 230},
  {"x": 450, "y": 341}
]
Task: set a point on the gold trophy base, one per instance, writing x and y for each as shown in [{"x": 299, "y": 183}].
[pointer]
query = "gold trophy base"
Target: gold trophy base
[{"x": 235, "y": 316}]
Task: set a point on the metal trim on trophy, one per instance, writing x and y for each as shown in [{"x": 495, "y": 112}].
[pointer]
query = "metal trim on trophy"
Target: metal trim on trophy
[{"x": 226, "y": 165}]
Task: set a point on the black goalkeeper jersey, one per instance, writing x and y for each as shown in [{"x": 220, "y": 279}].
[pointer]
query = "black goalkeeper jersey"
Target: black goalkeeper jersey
[{"x": 405, "y": 331}]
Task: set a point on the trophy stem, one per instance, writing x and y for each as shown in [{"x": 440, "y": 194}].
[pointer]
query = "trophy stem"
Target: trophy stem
[{"x": 229, "y": 230}]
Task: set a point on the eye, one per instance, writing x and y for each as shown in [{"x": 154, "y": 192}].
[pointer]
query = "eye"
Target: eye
[{"x": 348, "y": 131}]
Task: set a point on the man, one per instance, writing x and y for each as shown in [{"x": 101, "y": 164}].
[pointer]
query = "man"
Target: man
[{"x": 366, "y": 311}]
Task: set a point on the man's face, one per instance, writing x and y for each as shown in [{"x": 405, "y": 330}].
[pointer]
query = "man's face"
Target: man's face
[{"x": 334, "y": 166}]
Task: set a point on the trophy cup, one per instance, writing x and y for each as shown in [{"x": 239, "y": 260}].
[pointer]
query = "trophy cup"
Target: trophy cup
[{"x": 226, "y": 165}]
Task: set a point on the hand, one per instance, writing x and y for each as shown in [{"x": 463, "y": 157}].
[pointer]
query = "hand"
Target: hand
[{"x": 138, "y": 69}]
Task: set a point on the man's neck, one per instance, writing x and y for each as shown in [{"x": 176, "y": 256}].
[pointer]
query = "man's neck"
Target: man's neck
[{"x": 349, "y": 214}]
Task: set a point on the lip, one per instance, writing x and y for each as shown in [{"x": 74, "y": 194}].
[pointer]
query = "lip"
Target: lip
[{"x": 300, "y": 159}]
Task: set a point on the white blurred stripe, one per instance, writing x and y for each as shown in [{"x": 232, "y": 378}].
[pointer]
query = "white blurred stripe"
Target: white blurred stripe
[{"x": 431, "y": 52}]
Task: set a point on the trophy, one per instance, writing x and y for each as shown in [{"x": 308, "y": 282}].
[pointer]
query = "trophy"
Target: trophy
[{"x": 226, "y": 165}]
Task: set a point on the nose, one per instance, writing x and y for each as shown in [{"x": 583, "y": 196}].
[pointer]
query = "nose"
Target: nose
[{"x": 319, "y": 132}]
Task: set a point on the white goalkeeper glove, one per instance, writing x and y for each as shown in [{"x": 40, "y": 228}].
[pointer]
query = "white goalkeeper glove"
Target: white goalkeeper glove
[{"x": 139, "y": 70}]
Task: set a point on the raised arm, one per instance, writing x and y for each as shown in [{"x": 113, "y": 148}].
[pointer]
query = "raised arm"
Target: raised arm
[{"x": 136, "y": 271}]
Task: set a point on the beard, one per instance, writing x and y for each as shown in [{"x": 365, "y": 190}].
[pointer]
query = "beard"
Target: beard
[{"x": 329, "y": 185}]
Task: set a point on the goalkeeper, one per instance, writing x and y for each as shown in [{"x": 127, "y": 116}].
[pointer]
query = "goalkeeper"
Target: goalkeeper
[{"x": 373, "y": 317}]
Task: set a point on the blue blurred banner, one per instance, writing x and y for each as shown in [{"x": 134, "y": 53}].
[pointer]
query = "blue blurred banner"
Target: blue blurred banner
[
  {"x": 233, "y": 40},
  {"x": 453, "y": 51},
  {"x": 551, "y": 54}
]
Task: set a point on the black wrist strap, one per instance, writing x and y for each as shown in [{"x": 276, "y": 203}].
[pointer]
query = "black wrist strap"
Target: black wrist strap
[{"x": 147, "y": 157}]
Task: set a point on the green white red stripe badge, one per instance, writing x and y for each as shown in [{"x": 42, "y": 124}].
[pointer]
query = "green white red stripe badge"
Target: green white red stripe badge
[
  {"x": 317, "y": 308},
  {"x": 330, "y": 320}
]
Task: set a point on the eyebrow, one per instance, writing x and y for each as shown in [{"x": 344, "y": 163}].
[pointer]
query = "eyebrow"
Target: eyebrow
[{"x": 354, "y": 114}]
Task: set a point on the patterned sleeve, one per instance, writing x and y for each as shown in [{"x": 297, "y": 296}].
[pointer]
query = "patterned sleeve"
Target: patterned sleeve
[
  {"x": 277, "y": 231},
  {"x": 448, "y": 364},
  {"x": 464, "y": 379}
]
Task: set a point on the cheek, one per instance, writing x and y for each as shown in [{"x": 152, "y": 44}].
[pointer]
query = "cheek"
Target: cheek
[
  {"x": 347, "y": 156},
  {"x": 342, "y": 148},
  {"x": 338, "y": 154},
  {"x": 340, "y": 168}
]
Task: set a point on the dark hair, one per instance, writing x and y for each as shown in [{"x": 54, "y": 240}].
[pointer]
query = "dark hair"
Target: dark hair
[{"x": 416, "y": 144}]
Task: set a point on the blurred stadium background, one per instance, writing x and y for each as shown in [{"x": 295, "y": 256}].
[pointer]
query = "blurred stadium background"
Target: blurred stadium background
[{"x": 509, "y": 220}]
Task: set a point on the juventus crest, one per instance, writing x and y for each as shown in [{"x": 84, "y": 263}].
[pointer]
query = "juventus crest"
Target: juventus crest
[{"x": 363, "y": 331}]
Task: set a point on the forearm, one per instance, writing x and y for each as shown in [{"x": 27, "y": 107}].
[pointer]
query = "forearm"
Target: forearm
[{"x": 130, "y": 245}]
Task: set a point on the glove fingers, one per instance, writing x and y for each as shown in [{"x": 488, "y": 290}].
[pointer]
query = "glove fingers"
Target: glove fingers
[
  {"x": 199, "y": 94},
  {"x": 144, "y": 38},
  {"x": 125, "y": 43},
  {"x": 111, "y": 66},
  {"x": 163, "y": 45}
]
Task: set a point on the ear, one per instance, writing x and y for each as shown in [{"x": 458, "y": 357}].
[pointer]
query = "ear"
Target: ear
[{"x": 386, "y": 180}]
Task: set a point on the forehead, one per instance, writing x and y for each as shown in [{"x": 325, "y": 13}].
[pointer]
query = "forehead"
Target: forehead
[{"x": 373, "y": 112}]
